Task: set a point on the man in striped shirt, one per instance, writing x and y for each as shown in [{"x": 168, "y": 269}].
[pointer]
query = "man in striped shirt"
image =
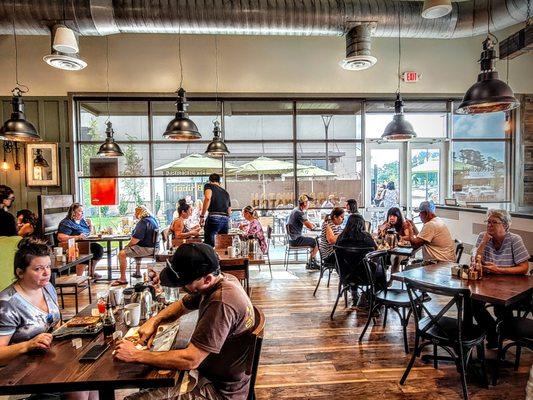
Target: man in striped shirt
[{"x": 502, "y": 252}]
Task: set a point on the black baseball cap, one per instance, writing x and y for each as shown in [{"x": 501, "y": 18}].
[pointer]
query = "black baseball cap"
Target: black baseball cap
[{"x": 190, "y": 262}]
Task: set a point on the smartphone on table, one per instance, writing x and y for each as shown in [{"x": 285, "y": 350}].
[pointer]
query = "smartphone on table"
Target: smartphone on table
[{"x": 94, "y": 352}]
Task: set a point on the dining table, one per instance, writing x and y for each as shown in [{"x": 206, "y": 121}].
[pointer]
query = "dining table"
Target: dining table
[
  {"x": 503, "y": 290},
  {"x": 108, "y": 239},
  {"x": 59, "y": 369}
]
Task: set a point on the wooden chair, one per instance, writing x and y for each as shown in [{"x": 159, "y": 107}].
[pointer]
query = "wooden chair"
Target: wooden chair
[
  {"x": 255, "y": 343},
  {"x": 324, "y": 267},
  {"x": 77, "y": 283},
  {"x": 165, "y": 237},
  {"x": 223, "y": 241},
  {"x": 450, "y": 333},
  {"x": 238, "y": 267}
]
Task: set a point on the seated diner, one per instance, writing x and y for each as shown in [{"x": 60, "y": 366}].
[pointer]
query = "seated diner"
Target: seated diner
[
  {"x": 74, "y": 226},
  {"x": 503, "y": 253},
  {"x": 178, "y": 228},
  {"x": 253, "y": 227},
  {"x": 331, "y": 229}
]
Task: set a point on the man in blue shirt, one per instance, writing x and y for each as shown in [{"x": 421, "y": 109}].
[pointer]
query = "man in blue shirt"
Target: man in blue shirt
[{"x": 141, "y": 245}]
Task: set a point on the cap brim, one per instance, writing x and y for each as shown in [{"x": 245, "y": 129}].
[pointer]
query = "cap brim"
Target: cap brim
[{"x": 168, "y": 278}]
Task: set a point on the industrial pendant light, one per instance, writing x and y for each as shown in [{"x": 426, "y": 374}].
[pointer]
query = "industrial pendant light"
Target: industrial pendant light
[
  {"x": 399, "y": 129},
  {"x": 436, "y": 8},
  {"x": 181, "y": 127},
  {"x": 489, "y": 93},
  {"x": 17, "y": 128},
  {"x": 109, "y": 148},
  {"x": 217, "y": 147}
]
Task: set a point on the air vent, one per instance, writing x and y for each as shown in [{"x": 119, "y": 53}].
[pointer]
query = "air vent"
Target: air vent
[
  {"x": 70, "y": 62},
  {"x": 358, "y": 48}
]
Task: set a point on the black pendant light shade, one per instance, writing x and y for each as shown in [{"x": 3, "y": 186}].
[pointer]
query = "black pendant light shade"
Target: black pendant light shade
[
  {"x": 181, "y": 127},
  {"x": 488, "y": 94},
  {"x": 110, "y": 148},
  {"x": 399, "y": 129},
  {"x": 39, "y": 160},
  {"x": 17, "y": 128},
  {"x": 217, "y": 147}
]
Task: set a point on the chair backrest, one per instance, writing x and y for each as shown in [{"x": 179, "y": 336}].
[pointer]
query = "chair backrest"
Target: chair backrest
[
  {"x": 375, "y": 264},
  {"x": 456, "y": 297},
  {"x": 223, "y": 241},
  {"x": 165, "y": 236},
  {"x": 51, "y": 209},
  {"x": 287, "y": 231},
  {"x": 269, "y": 232},
  {"x": 459, "y": 248},
  {"x": 254, "y": 350},
  {"x": 155, "y": 238},
  {"x": 349, "y": 263}
]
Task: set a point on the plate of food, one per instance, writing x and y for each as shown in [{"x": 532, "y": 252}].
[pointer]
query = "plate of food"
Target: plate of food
[{"x": 80, "y": 321}]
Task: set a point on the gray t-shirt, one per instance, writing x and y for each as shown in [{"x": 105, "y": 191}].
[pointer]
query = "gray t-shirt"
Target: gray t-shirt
[
  {"x": 511, "y": 252},
  {"x": 23, "y": 320},
  {"x": 296, "y": 223}
]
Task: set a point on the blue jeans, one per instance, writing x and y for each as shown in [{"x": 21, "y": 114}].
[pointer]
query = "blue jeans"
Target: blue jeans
[{"x": 213, "y": 225}]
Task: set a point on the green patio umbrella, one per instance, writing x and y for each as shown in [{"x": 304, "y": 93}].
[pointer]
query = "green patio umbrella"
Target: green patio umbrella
[{"x": 195, "y": 164}]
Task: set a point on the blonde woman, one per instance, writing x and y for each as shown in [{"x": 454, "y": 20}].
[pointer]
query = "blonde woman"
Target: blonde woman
[
  {"x": 140, "y": 245},
  {"x": 254, "y": 228}
]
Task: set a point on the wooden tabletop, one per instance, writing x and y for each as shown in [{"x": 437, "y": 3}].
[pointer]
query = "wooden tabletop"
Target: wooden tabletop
[
  {"x": 59, "y": 369},
  {"x": 222, "y": 255},
  {"x": 106, "y": 238},
  {"x": 496, "y": 289},
  {"x": 62, "y": 266}
]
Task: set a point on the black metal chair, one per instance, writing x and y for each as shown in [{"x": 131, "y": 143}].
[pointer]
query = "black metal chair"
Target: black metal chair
[
  {"x": 381, "y": 296},
  {"x": 156, "y": 237},
  {"x": 290, "y": 249},
  {"x": 254, "y": 341},
  {"x": 324, "y": 267},
  {"x": 459, "y": 248},
  {"x": 351, "y": 271},
  {"x": 519, "y": 330},
  {"x": 450, "y": 333},
  {"x": 269, "y": 243}
]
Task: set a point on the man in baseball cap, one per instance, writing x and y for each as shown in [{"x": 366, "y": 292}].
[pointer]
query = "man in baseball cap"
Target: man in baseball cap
[
  {"x": 297, "y": 220},
  {"x": 216, "y": 349},
  {"x": 434, "y": 238}
]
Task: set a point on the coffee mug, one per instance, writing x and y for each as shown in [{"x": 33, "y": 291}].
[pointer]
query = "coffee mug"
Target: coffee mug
[
  {"x": 132, "y": 314},
  {"x": 231, "y": 251},
  {"x": 58, "y": 251}
]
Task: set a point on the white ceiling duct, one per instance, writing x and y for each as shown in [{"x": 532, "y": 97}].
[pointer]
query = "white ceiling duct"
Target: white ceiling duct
[
  {"x": 358, "y": 48},
  {"x": 260, "y": 17},
  {"x": 64, "y": 54},
  {"x": 436, "y": 8}
]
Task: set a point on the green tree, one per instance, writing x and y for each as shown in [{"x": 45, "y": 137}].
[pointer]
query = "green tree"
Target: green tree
[
  {"x": 89, "y": 151},
  {"x": 133, "y": 166},
  {"x": 389, "y": 172}
]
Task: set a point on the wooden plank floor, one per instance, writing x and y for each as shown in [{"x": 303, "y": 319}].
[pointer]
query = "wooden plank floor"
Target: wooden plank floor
[{"x": 307, "y": 356}]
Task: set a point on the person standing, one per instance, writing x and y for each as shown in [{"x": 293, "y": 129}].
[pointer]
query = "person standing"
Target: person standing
[
  {"x": 217, "y": 202},
  {"x": 390, "y": 196},
  {"x": 8, "y": 226}
]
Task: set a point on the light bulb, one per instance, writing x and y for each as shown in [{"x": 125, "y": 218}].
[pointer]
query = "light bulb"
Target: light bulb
[{"x": 5, "y": 166}]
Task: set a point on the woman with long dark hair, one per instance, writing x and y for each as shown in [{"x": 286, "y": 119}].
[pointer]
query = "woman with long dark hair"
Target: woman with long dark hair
[
  {"x": 394, "y": 221},
  {"x": 178, "y": 227},
  {"x": 354, "y": 235}
]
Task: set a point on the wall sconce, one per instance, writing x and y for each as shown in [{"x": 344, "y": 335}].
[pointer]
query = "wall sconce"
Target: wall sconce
[{"x": 13, "y": 148}]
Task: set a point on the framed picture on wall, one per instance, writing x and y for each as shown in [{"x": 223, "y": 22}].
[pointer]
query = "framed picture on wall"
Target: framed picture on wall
[{"x": 42, "y": 164}]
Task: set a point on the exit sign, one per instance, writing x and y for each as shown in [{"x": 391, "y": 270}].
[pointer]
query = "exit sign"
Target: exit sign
[{"x": 410, "y": 76}]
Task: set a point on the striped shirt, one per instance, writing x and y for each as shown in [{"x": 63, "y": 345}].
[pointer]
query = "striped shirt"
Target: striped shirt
[
  {"x": 511, "y": 252},
  {"x": 326, "y": 249}
]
